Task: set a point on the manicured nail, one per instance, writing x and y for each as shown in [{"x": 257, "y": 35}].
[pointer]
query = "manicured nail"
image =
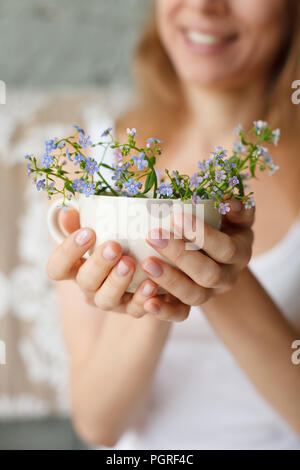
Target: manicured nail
[
  {"x": 153, "y": 308},
  {"x": 109, "y": 253},
  {"x": 152, "y": 268},
  {"x": 148, "y": 289},
  {"x": 83, "y": 237},
  {"x": 122, "y": 268},
  {"x": 236, "y": 205},
  {"x": 158, "y": 239}
]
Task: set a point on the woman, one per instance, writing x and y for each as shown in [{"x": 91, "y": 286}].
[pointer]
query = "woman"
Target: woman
[{"x": 223, "y": 377}]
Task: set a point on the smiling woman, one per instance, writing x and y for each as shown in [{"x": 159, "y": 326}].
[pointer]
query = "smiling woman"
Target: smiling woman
[
  {"x": 142, "y": 378},
  {"x": 215, "y": 52},
  {"x": 233, "y": 44}
]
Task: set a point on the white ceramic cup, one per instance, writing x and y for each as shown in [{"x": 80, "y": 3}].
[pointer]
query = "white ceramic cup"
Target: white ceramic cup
[{"x": 127, "y": 220}]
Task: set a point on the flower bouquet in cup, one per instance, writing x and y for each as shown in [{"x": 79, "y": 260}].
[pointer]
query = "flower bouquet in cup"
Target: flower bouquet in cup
[{"x": 125, "y": 199}]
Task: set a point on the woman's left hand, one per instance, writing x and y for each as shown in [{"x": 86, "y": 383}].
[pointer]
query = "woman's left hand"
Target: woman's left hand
[{"x": 200, "y": 274}]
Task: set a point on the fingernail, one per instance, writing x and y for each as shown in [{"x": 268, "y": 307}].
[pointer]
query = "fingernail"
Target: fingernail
[
  {"x": 236, "y": 205},
  {"x": 153, "y": 308},
  {"x": 158, "y": 239},
  {"x": 148, "y": 289},
  {"x": 152, "y": 268},
  {"x": 109, "y": 253},
  {"x": 83, "y": 237},
  {"x": 122, "y": 268},
  {"x": 184, "y": 221}
]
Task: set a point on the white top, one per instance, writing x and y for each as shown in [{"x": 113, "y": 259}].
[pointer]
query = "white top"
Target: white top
[{"x": 199, "y": 397}]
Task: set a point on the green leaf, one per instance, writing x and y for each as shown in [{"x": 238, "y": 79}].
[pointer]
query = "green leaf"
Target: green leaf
[
  {"x": 106, "y": 166},
  {"x": 150, "y": 180},
  {"x": 69, "y": 187},
  {"x": 152, "y": 161},
  {"x": 252, "y": 167},
  {"x": 241, "y": 186}
]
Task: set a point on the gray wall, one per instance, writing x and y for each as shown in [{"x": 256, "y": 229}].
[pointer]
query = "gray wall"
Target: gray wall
[{"x": 59, "y": 43}]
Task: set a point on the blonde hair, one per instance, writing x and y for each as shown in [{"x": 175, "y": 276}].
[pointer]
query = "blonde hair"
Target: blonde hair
[{"x": 158, "y": 88}]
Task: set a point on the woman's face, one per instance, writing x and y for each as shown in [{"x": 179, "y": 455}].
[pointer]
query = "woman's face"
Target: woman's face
[{"x": 221, "y": 43}]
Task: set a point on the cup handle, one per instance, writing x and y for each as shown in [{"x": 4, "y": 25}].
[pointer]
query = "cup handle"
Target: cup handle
[{"x": 52, "y": 219}]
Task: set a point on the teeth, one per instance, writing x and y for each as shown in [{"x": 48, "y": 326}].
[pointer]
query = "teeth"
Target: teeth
[{"x": 204, "y": 39}]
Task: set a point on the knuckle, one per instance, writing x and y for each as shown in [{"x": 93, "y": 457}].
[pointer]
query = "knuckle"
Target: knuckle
[
  {"x": 135, "y": 309},
  {"x": 136, "y": 314},
  {"x": 104, "y": 303},
  {"x": 230, "y": 251},
  {"x": 171, "y": 282},
  {"x": 53, "y": 271},
  {"x": 230, "y": 277},
  {"x": 199, "y": 298},
  {"x": 80, "y": 278},
  {"x": 182, "y": 317},
  {"x": 214, "y": 276},
  {"x": 84, "y": 281},
  {"x": 179, "y": 253}
]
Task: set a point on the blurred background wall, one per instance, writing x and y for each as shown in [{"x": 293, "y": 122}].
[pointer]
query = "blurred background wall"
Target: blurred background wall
[
  {"x": 58, "y": 43},
  {"x": 64, "y": 62}
]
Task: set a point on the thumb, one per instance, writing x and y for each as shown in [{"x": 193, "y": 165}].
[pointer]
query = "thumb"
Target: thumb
[
  {"x": 238, "y": 215},
  {"x": 69, "y": 220}
]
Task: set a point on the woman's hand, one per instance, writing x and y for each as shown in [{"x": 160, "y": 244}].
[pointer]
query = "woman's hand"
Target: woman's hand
[
  {"x": 201, "y": 275},
  {"x": 106, "y": 274}
]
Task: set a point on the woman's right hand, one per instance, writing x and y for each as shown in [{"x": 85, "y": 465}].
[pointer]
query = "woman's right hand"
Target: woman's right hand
[{"x": 106, "y": 274}]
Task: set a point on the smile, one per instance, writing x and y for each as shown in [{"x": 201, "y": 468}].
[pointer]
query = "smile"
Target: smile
[
  {"x": 207, "y": 42},
  {"x": 205, "y": 39}
]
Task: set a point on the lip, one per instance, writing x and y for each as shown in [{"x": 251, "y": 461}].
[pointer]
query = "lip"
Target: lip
[{"x": 226, "y": 40}]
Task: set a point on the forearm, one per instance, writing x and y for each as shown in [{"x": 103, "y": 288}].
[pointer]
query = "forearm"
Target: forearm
[
  {"x": 108, "y": 388},
  {"x": 255, "y": 331}
]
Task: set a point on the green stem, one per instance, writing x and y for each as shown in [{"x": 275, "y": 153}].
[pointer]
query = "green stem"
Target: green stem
[{"x": 108, "y": 185}]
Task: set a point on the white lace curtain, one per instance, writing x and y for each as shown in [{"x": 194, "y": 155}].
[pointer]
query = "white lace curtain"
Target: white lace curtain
[{"x": 34, "y": 380}]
